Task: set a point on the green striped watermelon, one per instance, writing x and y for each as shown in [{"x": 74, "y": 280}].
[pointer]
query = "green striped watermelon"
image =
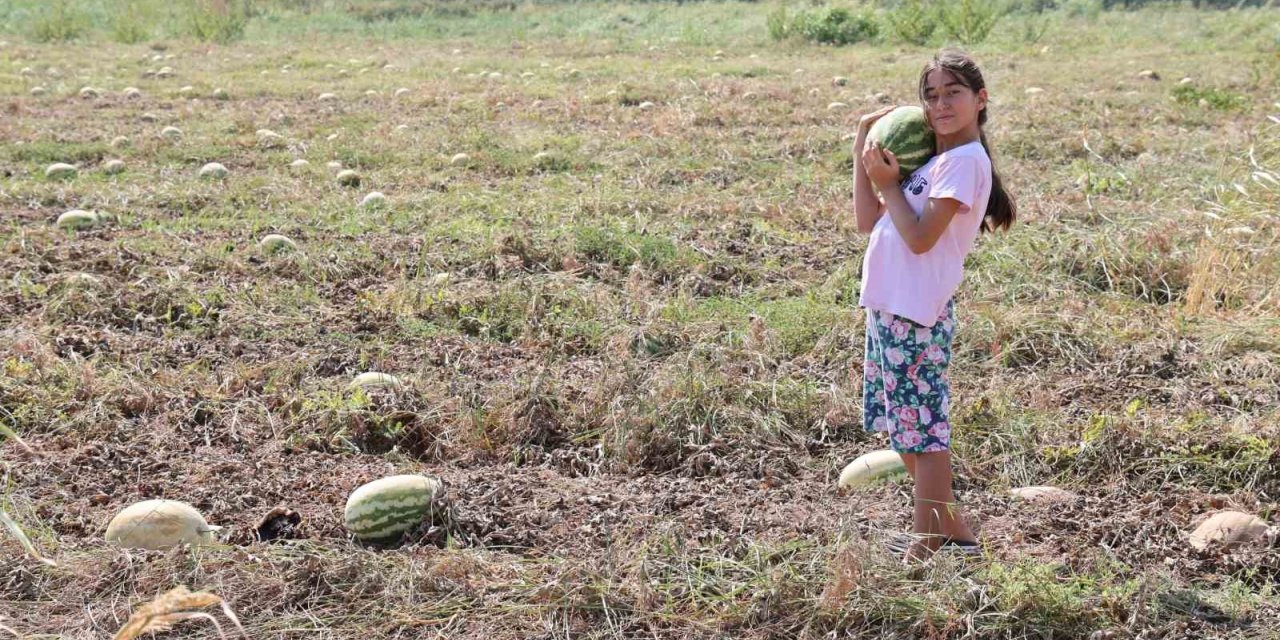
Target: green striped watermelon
[
  {"x": 905, "y": 132},
  {"x": 388, "y": 507}
]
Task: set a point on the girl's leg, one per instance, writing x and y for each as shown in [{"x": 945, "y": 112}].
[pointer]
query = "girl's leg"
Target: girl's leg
[
  {"x": 936, "y": 514},
  {"x": 957, "y": 528}
]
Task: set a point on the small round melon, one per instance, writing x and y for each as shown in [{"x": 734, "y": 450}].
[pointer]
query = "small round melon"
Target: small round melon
[
  {"x": 373, "y": 380},
  {"x": 1229, "y": 529},
  {"x": 459, "y": 159},
  {"x": 171, "y": 132},
  {"x": 326, "y": 97},
  {"x": 38, "y": 91},
  {"x": 89, "y": 92},
  {"x": 213, "y": 170},
  {"x": 374, "y": 200},
  {"x": 646, "y": 105},
  {"x": 132, "y": 93},
  {"x": 112, "y": 167},
  {"x": 79, "y": 220},
  {"x": 120, "y": 142},
  {"x": 386, "y": 508},
  {"x": 870, "y": 468},
  {"x": 402, "y": 91},
  {"x": 269, "y": 139},
  {"x": 348, "y": 178},
  {"x": 299, "y": 164},
  {"x": 333, "y": 165},
  {"x": 221, "y": 94},
  {"x": 159, "y": 524},
  {"x": 274, "y": 243},
  {"x": 60, "y": 171}
]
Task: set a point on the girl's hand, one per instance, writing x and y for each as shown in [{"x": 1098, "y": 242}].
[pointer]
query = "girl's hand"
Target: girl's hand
[
  {"x": 865, "y": 122},
  {"x": 881, "y": 166}
]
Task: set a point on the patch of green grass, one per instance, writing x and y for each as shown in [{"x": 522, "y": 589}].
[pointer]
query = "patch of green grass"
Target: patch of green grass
[{"x": 1219, "y": 99}]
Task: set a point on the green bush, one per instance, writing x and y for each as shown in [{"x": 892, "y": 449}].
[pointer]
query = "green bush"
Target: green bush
[
  {"x": 129, "y": 24},
  {"x": 913, "y": 21},
  {"x": 828, "y": 25},
  {"x": 59, "y": 22},
  {"x": 220, "y": 20},
  {"x": 970, "y": 21}
]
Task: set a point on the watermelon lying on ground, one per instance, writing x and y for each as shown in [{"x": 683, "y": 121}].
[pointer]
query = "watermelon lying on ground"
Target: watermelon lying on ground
[
  {"x": 386, "y": 508},
  {"x": 906, "y": 133},
  {"x": 870, "y": 468}
]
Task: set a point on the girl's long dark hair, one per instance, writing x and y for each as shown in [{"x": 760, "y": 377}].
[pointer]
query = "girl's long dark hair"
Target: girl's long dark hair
[{"x": 1001, "y": 210}]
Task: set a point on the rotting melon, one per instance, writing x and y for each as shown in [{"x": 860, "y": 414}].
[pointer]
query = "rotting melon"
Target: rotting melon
[
  {"x": 386, "y": 508},
  {"x": 905, "y": 132},
  {"x": 159, "y": 524},
  {"x": 372, "y": 379},
  {"x": 870, "y": 468}
]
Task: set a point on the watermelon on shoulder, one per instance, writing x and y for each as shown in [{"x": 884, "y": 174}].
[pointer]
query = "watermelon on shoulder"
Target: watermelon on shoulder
[{"x": 906, "y": 133}]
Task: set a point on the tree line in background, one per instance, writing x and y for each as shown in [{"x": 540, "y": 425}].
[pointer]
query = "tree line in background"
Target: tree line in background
[{"x": 917, "y": 22}]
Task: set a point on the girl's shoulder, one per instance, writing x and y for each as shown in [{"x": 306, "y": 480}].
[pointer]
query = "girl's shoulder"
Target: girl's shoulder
[{"x": 971, "y": 150}]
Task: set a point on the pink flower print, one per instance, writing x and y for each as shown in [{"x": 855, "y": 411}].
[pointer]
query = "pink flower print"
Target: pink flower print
[
  {"x": 890, "y": 383},
  {"x": 945, "y": 405},
  {"x": 941, "y": 431},
  {"x": 870, "y": 370},
  {"x": 934, "y": 353},
  {"x": 880, "y": 397},
  {"x": 881, "y": 423},
  {"x": 923, "y": 335},
  {"x": 908, "y": 439},
  {"x": 908, "y": 416},
  {"x": 935, "y": 447},
  {"x": 922, "y": 386},
  {"x": 899, "y": 329},
  {"x": 894, "y": 356},
  {"x": 946, "y": 325},
  {"x": 926, "y": 416}
]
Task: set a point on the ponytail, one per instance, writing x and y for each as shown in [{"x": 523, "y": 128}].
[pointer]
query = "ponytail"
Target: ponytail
[{"x": 1001, "y": 210}]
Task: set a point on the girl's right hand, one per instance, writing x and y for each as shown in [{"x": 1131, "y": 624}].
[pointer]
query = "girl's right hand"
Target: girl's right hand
[{"x": 864, "y": 124}]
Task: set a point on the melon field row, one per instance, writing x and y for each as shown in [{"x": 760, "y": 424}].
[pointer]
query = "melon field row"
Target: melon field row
[{"x": 593, "y": 268}]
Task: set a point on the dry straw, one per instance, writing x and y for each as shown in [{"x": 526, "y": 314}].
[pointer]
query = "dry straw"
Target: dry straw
[{"x": 175, "y": 606}]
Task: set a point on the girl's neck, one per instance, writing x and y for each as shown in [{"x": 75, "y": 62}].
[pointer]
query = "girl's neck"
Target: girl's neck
[{"x": 958, "y": 139}]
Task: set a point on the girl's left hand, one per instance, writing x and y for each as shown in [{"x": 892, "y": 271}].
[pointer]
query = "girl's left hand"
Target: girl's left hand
[{"x": 881, "y": 166}]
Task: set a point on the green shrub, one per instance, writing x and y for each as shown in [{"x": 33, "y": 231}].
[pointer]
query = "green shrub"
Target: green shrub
[
  {"x": 129, "y": 24},
  {"x": 59, "y": 22},
  {"x": 829, "y": 25},
  {"x": 220, "y": 20},
  {"x": 970, "y": 21},
  {"x": 913, "y": 21}
]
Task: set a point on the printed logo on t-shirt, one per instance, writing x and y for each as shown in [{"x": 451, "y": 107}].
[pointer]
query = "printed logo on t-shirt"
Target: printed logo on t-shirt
[{"x": 916, "y": 184}]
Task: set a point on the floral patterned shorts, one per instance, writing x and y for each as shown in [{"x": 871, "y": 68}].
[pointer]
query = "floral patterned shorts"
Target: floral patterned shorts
[{"x": 906, "y": 391}]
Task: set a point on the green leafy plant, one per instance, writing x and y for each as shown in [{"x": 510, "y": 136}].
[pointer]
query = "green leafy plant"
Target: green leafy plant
[
  {"x": 913, "y": 21},
  {"x": 970, "y": 21}
]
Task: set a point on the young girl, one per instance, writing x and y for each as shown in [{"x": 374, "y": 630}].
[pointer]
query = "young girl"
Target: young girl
[{"x": 920, "y": 233}]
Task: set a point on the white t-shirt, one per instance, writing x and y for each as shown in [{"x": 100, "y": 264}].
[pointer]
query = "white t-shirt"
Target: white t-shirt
[{"x": 917, "y": 287}]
